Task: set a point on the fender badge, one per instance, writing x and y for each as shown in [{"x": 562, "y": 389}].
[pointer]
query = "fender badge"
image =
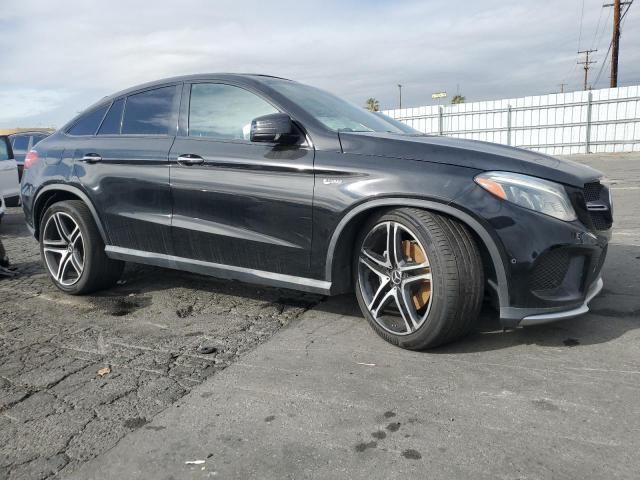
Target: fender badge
[{"x": 331, "y": 181}]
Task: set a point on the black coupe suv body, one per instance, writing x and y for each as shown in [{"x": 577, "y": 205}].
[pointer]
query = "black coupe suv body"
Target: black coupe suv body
[{"x": 267, "y": 180}]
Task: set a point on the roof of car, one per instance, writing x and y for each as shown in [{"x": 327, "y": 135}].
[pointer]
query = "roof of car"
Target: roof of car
[
  {"x": 26, "y": 131},
  {"x": 192, "y": 77}
]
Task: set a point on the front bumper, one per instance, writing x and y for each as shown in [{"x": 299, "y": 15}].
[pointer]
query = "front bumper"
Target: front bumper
[{"x": 539, "y": 319}]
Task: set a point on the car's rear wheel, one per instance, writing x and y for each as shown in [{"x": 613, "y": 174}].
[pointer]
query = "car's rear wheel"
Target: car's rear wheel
[
  {"x": 73, "y": 251},
  {"x": 418, "y": 278}
]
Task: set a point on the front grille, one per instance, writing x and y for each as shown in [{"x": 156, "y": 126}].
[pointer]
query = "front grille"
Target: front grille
[
  {"x": 601, "y": 220},
  {"x": 592, "y": 191},
  {"x": 595, "y": 192},
  {"x": 550, "y": 270},
  {"x": 601, "y": 260}
]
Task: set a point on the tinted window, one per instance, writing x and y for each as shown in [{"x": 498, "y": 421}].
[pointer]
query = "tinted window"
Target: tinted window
[
  {"x": 111, "y": 123},
  {"x": 223, "y": 111},
  {"x": 20, "y": 144},
  {"x": 149, "y": 113},
  {"x": 333, "y": 112},
  {"x": 4, "y": 149},
  {"x": 89, "y": 122},
  {"x": 36, "y": 138}
]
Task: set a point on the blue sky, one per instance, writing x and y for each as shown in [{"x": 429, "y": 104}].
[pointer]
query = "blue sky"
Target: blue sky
[{"x": 59, "y": 57}]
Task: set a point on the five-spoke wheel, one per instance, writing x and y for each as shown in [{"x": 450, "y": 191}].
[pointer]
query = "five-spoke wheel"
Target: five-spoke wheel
[
  {"x": 73, "y": 250},
  {"x": 63, "y": 248},
  {"x": 419, "y": 277},
  {"x": 395, "y": 278}
]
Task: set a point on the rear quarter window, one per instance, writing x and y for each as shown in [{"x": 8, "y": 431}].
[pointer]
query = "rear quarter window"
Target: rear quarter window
[{"x": 88, "y": 123}]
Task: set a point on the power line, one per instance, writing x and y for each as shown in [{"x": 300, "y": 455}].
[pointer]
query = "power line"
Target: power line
[
  {"x": 619, "y": 25},
  {"x": 581, "y": 19},
  {"x": 587, "y": 65}
]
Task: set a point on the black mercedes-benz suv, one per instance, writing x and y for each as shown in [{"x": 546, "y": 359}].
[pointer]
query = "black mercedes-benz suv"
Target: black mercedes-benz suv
[{"x": 266, "y": 180}]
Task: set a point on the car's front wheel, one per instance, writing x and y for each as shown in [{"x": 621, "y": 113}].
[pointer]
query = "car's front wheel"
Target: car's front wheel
[
  {"x": 418, "y": 278},
  {"x": 73, "y": 251}
]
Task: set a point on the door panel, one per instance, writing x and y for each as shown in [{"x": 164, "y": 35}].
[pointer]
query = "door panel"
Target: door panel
[
  {"x": 9, "y": 186},
  {"x": 247, "y": 205},
  {"x": 129, "y": 186}
]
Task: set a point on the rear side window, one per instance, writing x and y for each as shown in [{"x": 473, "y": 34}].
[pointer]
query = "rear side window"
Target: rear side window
[
  {"x": 224, "y": 111},
  {"x": 20, "y": 144},
  {"x": 89, "y": 122},
  {"x": 149, "y": 113},
  {"x": 111, "y": 123}
]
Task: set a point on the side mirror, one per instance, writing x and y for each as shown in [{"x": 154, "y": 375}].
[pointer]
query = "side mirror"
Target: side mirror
[{"x": 271, "y": 128}]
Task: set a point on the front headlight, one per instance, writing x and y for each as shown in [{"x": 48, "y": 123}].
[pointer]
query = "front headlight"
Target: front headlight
[{"x": 529, "y": 192}]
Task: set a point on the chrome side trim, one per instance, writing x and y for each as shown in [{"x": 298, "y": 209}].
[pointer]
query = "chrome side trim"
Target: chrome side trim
[
  {"x": 219, "y": 270},
  {"x": 594, "y": 290}
]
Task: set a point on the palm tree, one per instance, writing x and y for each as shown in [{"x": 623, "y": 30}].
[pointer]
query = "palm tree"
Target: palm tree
[
  {"x": 372, "y": 105},
  {"x": 458, "y": 99}
]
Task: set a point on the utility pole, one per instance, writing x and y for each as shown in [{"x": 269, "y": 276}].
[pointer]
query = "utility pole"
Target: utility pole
[
  {"x": 587, "y": 65},
  {"x": 400, "y": 91},
  {"x": 615, "y": 40},
  {"x": 562, "y": 85}
]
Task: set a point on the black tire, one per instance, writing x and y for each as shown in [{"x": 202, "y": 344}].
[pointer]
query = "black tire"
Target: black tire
[
  {"x": 99, "y": 271},
  {"x": 457, "y": 271}
]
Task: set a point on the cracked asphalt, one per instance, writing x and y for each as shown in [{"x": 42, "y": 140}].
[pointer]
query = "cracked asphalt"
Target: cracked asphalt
[{"x": 160, "y": 333}]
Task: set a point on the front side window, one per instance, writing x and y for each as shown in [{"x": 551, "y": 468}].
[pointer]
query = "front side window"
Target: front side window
[
  {"x": 150, "y": 112},
  {"x": 4, "y": 149},
  {"x": 111, "y": 123},
  {"x": 224, "y": 112},
  {"x": 88, "y": 123}
]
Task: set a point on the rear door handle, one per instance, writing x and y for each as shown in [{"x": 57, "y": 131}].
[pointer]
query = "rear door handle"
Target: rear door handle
[
  {"x": 189, "y": 159},
  {"x": 91, "y": 158}
]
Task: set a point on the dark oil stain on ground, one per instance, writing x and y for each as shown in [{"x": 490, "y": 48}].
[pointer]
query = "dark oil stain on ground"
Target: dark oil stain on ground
[
  {"x": 206, "y": 394},
  {"x": 184, "y": 312},
  {"x": 389, "y": 414},
  {"x": 136, "y": 422},
  {"x": 411, "y": 454},
  {"x": 361, "y": 447},
  {"x": 393, "y": 427},
  {"x": 120, "y": 307},
  {"x": 270, "y": 418},
  {"x": 543, "y": 404},
  {"x": 379, "y": 435},
  {"x": 571, "y": 342}
]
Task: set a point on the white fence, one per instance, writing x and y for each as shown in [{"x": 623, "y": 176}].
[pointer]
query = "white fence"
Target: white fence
[{"x": 606, "y": 120}]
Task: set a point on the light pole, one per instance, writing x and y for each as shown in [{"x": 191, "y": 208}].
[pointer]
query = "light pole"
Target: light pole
[{"x": 400, "y": 91}]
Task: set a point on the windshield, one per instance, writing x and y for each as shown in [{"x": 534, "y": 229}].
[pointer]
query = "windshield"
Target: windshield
[
  {"x": 398, "y": 124},
  {"x": 335, "y": 113}
]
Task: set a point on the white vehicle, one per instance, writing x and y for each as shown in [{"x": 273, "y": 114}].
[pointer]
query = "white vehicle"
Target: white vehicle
[
  {"x": 9, "y": 184},
  {"x": 3, "y": 209}
]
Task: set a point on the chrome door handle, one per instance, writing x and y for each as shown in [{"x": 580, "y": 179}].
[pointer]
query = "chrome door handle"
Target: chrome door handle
[
  {"x": 189, "y": 160},
  {"x": 91, "y": 158}
]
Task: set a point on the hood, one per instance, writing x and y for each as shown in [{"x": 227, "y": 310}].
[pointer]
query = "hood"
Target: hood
[{"x": 474, "y": 154}]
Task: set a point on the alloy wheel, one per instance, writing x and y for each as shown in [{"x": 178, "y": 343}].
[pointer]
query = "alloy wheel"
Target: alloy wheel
[
  {"x": 395, "y": 278},
  {"x": 63, "y": 248}
]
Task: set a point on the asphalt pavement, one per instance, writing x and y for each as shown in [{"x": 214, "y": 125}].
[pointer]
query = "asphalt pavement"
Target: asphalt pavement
[{"x": 326, "y": 398}]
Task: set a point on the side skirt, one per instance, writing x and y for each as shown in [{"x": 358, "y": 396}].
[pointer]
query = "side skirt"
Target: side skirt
[{"x": 218, "y": 270}]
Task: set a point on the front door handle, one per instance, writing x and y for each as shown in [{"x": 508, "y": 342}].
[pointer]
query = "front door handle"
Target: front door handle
[
  {"x": 189, "y": 159},
  {"x": 91, "y": 158}
]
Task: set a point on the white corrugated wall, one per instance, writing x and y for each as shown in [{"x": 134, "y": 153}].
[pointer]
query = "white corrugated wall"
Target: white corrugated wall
[{"x": 606, "y": 120}]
